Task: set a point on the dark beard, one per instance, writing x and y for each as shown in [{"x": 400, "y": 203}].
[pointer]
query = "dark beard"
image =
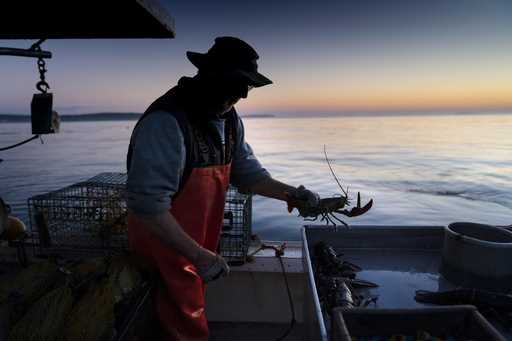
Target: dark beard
[{"x": 206, "y": 98}]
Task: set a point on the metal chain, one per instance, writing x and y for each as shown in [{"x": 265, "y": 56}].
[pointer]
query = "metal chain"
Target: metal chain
[{"x": 42, "y": 85}]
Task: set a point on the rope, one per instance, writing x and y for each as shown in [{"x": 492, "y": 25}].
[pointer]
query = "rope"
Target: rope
[
  {"x": 279, "y": 252},
  {"x": 292, "y": 308},
  {"x": 19, "y": 143}
]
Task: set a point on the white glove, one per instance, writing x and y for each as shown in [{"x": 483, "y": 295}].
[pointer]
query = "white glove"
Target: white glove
[{"x": 219, "y": 267}]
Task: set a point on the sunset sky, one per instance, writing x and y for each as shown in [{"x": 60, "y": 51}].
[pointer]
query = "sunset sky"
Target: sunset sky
[{"x": 323, "y": 56}]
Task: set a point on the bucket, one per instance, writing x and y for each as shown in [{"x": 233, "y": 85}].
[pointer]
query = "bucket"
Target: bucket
[{"x": 477, "y": 256}]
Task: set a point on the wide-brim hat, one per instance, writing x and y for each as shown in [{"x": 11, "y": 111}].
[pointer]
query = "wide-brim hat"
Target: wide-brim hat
[{"x": 230, "y": 55}]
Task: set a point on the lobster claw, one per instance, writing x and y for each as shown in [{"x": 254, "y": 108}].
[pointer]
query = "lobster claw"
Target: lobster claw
[{"x": 358, "y": 210}]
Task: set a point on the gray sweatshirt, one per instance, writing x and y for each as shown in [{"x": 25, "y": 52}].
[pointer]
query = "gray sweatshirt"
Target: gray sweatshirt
[{"x": 158, "y": 161}]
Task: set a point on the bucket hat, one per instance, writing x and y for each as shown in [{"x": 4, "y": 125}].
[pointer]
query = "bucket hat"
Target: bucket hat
[{"x": 230, "y": 55}]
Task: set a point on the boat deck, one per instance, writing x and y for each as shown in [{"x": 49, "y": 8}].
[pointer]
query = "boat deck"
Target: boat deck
[
  {"x": 250, "y": 304},
  {"x": 249, "y": 331}
]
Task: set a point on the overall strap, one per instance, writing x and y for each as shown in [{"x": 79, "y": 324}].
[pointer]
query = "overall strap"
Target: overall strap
[
  {"x": 168, "y": 103},
  {"x": 193, "y": 129}
]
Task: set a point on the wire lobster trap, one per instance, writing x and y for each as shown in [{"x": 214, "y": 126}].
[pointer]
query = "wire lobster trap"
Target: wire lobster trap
[
  {"x": 88, "y": 217},
  {"x": 236, "y": 231}
]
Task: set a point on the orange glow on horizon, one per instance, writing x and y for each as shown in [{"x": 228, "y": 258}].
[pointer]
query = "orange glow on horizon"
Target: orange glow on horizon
[
  {"x": 406, "y": 96},
  {"x": 431, "y": 80}
]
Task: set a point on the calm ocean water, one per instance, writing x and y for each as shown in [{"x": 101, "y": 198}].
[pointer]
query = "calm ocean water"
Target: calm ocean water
[{"x": 422, "y": 170}]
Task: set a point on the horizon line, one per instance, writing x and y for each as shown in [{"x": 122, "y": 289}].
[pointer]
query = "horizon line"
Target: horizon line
[
  {"x": 308, "y": 111},
  {"x": 304, "y": 114}
]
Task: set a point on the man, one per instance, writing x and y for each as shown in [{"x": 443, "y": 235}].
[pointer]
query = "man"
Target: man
[{"x": 184, "y": 151}]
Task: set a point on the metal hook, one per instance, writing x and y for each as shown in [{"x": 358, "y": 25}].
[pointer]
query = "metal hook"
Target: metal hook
[
  {"x": 42, "y": 86},
  {"x": 37, "y": 45}
]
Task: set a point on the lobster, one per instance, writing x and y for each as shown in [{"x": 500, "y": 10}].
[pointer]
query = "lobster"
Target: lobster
[
  {"x": 336, "y": 280},
  {"x": 327, "y": 207}
]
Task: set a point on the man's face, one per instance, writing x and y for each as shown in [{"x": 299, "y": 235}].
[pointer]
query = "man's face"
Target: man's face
[
  {"x": 226, "y": 92},
  {"x": 234, "y": 94}
]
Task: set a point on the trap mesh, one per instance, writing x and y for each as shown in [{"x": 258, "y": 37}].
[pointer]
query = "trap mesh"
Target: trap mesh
[
  {"x": 236, "y": 230},
  {"x": 89, "y": 217}
]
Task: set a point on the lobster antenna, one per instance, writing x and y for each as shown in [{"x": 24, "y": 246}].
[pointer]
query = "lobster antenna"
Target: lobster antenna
[{"x": 332, "y": 172}]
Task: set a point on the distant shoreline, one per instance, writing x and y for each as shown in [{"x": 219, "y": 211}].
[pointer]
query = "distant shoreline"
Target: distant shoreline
[
  {"x": 98, "y": 117},
  {"x": 12, "y": 118},
  {"x": 7, "y": 118}
]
